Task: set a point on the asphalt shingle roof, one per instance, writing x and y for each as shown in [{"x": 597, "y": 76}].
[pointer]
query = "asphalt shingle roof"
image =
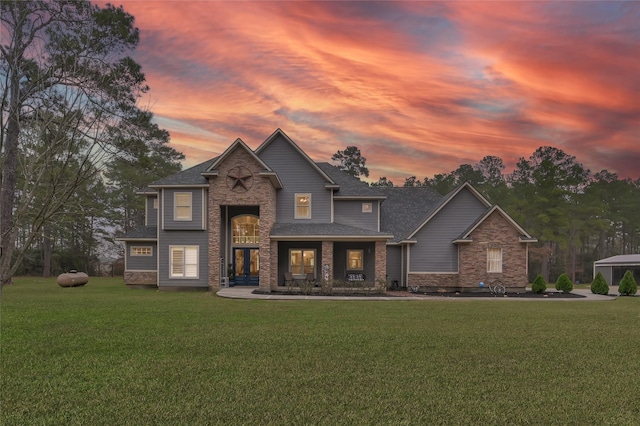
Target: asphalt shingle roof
[
  {"x": 406, "y": 208},
  {"x": 142, "y": 232},
  {"x": 190, "y": 176},
  {"x": 349, "y": 185}
]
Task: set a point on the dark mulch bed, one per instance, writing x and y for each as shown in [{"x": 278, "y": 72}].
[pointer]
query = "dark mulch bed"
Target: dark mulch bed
[
  {"x": 523, "y": 295},
  {"x": 403, "y": 293}
]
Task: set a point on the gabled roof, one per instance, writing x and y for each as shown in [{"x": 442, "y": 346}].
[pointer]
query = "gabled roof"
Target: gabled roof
[
  {"x": 142, "y": 233},
  {"x": 280, "y": 133},
  {"x": 621, "y": 259},
  {"x": 465, "y": 237},
  {"x": 350, "y": 187},
  {"x": 447, "y": 198},
  {"x": 322, "y": 231},
  {"x": 238, "y": 143},
  {"x": 188, "y": 177},
  {"x": 404, "y": 209}
]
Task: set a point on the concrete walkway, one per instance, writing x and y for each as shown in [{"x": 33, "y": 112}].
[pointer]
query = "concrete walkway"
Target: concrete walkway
[{"x": 247, "y": 293}]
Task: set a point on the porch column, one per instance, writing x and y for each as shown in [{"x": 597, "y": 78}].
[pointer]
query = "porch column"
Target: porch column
[
  {"x": 214, "y": 242},
  {"x": 327, "y": 259},
  {"x": 381, "y": 261},
  {"x": 271, "y": 282}
]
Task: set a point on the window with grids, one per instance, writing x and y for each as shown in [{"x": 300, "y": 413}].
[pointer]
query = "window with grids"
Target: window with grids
[
  {"x": 141, "y": 251},
  {"x": 303, "y": 206},
  {"x": 182, "y": 204},
  {"x": 494, "y": 259},
  {"x": 355, "y": 260},
  {"x": 246, "y": 229},
  {"x": 302, "y": 262},
  {"x": 183, "y": 262}
]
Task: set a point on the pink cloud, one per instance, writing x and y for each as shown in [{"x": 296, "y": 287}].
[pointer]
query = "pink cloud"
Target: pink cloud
[{"x": 420, "y": 87}]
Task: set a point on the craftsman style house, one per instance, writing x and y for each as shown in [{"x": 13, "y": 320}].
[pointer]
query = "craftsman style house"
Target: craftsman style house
[{"x": 273, "y": 216}]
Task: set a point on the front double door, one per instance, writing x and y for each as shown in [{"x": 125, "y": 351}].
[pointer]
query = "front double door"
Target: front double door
[{"x": 246, "y": 266}]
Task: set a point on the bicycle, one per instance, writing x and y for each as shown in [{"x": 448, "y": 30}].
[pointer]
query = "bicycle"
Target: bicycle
[{"x": 496, "y": 287}]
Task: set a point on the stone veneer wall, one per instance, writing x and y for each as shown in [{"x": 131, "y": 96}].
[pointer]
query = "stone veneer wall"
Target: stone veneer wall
[
  {"x": 381, "y": 261},
  {"x": 327, "y": 259},
  {"x": 262, "y": 194},
  {"x": 140, "y": 277},
  {"x": 435, "y": 281},
  {"x": 494, "y": 232}
]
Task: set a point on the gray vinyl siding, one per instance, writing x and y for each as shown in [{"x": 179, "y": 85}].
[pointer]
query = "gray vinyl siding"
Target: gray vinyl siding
[
  {"x": 198, "y": 197},
  {"x": 142, "y": 263},
  {"x": 349, "y": 212},
  {"x": 151, "y": 217},
  {"x": 394, "y": 265},
  {"x": 298, "y": 176},
  {"x": 183, "y": 238},
  {"x": 435, "y": 251}
]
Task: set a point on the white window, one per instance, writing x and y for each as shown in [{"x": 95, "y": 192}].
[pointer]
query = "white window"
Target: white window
[
  {"x": 302, "y": 262},
  {"x": 155, "y": 203},
  {"x": 183, "y": 262},
  {"x": 303, "y": 206},
  {"x": 182, "y": 203},
  {"x": 367, "y": 207},
  {"x": 354, "y": 260},
  {"x": 141, "y": 251},
  {"x": 494, "y": 260}
]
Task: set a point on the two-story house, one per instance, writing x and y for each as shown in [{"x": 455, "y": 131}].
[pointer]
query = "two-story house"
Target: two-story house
[{"x": 261, "y": 217}]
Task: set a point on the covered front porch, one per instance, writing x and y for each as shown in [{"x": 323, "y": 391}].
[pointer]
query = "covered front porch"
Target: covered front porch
[{"x": 327, "y": 257}]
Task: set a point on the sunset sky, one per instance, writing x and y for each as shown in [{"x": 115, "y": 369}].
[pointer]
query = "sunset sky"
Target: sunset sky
[{"x": 419, "y": 87}]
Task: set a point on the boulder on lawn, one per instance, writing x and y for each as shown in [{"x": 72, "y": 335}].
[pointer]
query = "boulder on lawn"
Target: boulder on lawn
[{"x": 72, "y": 279}]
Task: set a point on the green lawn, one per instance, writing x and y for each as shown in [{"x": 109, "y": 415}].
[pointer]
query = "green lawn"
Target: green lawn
[{"x": 105, "y": 354}]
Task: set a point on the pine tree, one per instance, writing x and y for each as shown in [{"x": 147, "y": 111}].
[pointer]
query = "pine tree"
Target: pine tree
[
  {"x": 599, "y": 285},
  {"x": 628, "y": 285},
  {"x": 564, "y": 284}
]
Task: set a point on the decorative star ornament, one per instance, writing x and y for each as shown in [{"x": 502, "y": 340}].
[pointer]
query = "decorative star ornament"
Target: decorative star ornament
[{"x": 239, "y": 178}]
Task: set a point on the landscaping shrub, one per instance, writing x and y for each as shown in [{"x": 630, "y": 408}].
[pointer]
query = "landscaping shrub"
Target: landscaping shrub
[
  {"x": 564, "y": 284},
  {"x": 599, "y": 285},
  {"x": 539, "y": 285},
  {"x": 628, "y": 285}
]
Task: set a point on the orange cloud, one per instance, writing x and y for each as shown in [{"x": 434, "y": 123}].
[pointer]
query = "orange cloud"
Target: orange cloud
[{"x": 419, "y": 87}]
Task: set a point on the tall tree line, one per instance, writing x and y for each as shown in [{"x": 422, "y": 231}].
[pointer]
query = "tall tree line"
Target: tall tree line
[
  {"x": 71, "y": 126},
  {"x": 577, "y": 216}
]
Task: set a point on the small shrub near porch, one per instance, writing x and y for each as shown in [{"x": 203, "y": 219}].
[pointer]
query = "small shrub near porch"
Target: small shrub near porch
[
  {"x": 539, "y": 285},
  {"x": 564, "y": 284}
]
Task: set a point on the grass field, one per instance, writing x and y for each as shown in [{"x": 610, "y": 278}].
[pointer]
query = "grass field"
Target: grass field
[{"x": 107, "y": 355}]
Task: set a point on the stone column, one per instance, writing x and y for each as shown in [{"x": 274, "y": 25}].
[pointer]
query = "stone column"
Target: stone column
[
  {"x": 327, "y": 259},
  {"x": 381, "y": 261},
  {"x": 273, "y": 263},
  {"x": 214, "y": 240}
]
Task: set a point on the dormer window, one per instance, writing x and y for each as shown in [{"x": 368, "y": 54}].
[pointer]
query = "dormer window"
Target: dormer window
[{"x": 303, "y": 206}]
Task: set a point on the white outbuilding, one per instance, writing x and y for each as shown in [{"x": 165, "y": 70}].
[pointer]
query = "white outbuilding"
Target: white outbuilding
[{"x": 613, "y": 268}]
